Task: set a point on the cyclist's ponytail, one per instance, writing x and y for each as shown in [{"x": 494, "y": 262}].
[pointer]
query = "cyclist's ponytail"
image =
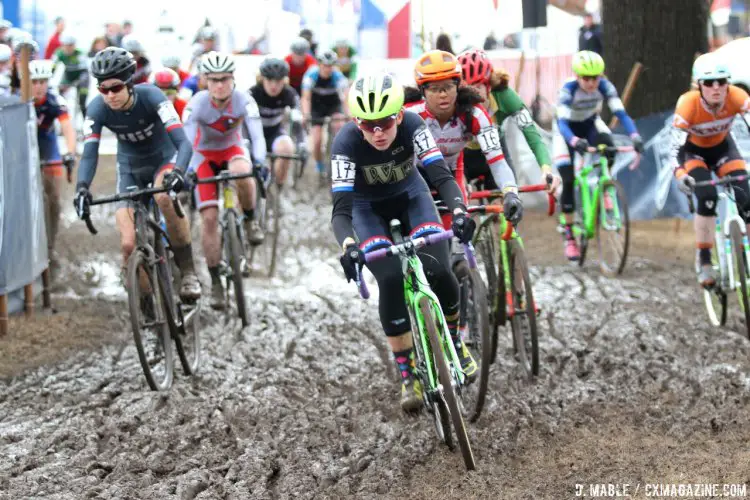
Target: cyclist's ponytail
[
  {"x": 466, "y": 100},
  {"x": 412, "y": 94},
  {"x": 499, "y": 79}
]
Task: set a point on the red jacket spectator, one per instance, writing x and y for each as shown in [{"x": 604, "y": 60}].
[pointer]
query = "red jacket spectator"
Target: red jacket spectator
[
  {"x": 297, "y": 72},
  {"x": 54, "y": 41}
]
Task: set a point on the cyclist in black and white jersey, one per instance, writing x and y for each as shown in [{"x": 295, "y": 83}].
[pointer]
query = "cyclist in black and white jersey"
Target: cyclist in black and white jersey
[{"x": 275, "y": 98}]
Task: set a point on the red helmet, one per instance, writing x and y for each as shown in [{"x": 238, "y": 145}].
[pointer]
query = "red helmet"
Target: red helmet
[
  {"x": 165, "y": 79},
  {"x": 476, "y": 66}
]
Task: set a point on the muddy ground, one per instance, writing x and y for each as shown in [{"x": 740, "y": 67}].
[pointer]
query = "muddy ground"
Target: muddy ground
[{"x": 635, "y": 387}]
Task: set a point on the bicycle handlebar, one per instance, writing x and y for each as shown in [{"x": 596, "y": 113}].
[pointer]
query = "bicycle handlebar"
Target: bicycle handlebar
[
  {"x": 275, "y": 156},
  {"x": 224, "y": 177},
  {"x": 714, "y": 182},
  {"x": 485, "y": 209},
  {"x": 131, "y": 196},
  {"x": 415, "y": 244},
  {"x": 497, "y": 193}
]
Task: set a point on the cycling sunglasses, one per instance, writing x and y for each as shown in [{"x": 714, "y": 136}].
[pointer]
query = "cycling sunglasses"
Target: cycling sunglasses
[
  {"x": 382, "y": 124},
  {"x": 710, "y": 82},
  {"x": 590, "y": 78},
  {"x": 117, "y": 88}
]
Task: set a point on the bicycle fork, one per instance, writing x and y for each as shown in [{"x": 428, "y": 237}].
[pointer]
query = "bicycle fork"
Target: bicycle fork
[{"x": 509, "y": 292}]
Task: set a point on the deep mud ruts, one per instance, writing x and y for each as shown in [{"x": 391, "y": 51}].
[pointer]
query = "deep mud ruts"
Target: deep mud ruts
[{"x": 635, "y": 387}]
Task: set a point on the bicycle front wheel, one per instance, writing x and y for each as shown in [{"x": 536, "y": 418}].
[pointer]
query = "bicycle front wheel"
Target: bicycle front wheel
[
  {"x": 478, "y": 340},
  {"x": 523, "y": 311},
  {"x": 149, "y": 323},
  {"x": 612, "y": 228},
  {"x": 740, "y": 268},
  {"x": 235, "y": 254},
  {"x": 715, "y": 298},
  {"x": 446, "y": 381}
]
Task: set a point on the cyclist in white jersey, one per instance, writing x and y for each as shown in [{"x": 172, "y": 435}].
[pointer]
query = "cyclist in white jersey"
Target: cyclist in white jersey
[{"x": 214, "y": 120}]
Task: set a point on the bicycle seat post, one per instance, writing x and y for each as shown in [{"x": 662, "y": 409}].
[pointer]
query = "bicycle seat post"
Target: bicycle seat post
[{"x": 396, "y": 230}]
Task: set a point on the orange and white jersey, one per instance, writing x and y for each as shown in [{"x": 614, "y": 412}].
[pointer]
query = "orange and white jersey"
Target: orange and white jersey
[
  {"x": 453, "y": 137},
  {"x": 706, "y": 128}
]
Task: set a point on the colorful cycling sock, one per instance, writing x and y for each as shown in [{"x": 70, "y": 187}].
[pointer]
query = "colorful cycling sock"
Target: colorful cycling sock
[
  {"x": 405, "y": 362},
  {"x": 215, "y": 277},
  {"x": 454, "y": 331},
  {"x": 568, "y": 232},
  {"x": 704, "y": 256},
  {"x": 319, "y": 165}
]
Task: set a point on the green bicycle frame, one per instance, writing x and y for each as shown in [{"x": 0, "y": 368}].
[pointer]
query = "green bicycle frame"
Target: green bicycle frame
[
  {"x": 590, "y": 197},
  {"x": 415, "y": 288}
]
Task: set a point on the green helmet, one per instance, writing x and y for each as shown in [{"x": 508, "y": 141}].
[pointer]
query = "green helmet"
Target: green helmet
[
  {"x": 588, "y": 63},
  {"x": 375, "y": 96}
]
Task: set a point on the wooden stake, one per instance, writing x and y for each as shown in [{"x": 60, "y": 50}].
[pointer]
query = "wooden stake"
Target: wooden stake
[
  {"x": 28, "y": 299},
  {"x": 629, "y": 87},
  {"x": 46, "y": 300},
  {"x": 522, "y": 62}
]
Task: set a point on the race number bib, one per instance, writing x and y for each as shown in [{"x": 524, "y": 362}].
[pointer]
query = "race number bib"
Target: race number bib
[
  {"x": 423, "y": 142},
  {"x": 167, "y": 113},
  {"x": 489, "y": 139},
  {"x": 88, "y": 125},
  {"x": 342, "y": 169},
  {"x": 523, "y": 118}
]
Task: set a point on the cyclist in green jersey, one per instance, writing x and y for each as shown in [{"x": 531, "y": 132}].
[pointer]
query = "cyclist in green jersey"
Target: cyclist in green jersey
[
  {"x": 76, "y": 69},
  {"x": 502, "y": 102}
]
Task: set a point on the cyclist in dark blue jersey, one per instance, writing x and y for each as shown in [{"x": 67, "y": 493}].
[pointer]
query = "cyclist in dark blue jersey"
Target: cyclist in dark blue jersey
[
  {"x": 151, "y": 148},
  {"x": 375, "y": 179}
]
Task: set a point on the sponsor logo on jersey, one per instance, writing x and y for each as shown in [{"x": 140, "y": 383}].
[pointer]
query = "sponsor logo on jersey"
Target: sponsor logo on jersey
[{"x": 388, "y": 173}]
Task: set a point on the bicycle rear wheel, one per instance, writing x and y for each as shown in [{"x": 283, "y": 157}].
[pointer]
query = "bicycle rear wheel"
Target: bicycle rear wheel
[
  {"x": 523, "y": 315},
  {"x": 740, "y": 267},
  {"x": 234, "y": 256},
  {"x": 149, "y": 323},
  {"x": 446, "y": 381},
  {"x": 473, "y": 291},
  {"x": 612, "y": 228}
]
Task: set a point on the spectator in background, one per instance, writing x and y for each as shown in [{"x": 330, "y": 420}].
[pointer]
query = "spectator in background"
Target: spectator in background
[
  {"x": 5, "y": 26},
  {"x": 590, "y": 37},
  {"x": 510, "y": 42},
  {"x": 443, "y": 43},
  {"x": 142, "y": 64},
  {"x": 307, "y": 34},
  {"x": 112, "y": 34},
  {"x": 54, "y": 41},
  {"x": 207, "y": 42},
  {"x": 490, "y": 43},
  {"x": 253, "y": 46},
  {"x": 127, "y": 28},
  {"x": 99, "y": 43}
]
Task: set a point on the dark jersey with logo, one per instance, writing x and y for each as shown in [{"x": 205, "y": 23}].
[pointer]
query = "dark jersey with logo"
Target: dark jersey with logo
[
  {"x": 361, "y": 172},
  {"x": 151, "y": 127}
]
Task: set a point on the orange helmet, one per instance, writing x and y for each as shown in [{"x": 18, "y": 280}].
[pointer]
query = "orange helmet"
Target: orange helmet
[{"x": 435, "y": 66}]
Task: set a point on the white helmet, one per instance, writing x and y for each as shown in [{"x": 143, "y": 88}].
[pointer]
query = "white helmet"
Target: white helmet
[
  {"x": 171, "y": 61},
  {"x": 710, "y": 67},
  {"x": 41, "y": 69},
  {"x": 217, "y": 62},
  {"x": 5, "y": 24},
  {"x": 131, "y": 44},
  {"x": 5, "y": 53},
  {"x": 208, "y": 33},
  {"x": 66, "y": 39}
]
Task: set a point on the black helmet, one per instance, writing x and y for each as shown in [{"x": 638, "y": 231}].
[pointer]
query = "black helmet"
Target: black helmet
[
  {"x": 274, "y": 68},
  {"x": 113, "y": 62}
]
